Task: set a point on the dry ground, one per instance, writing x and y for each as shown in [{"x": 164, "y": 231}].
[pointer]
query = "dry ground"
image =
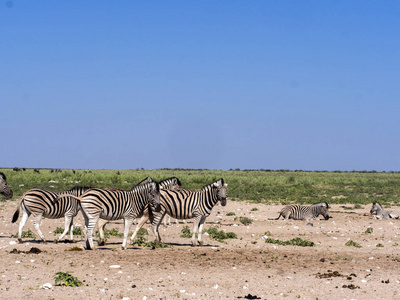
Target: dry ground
[{"x": 235, "y": 270}]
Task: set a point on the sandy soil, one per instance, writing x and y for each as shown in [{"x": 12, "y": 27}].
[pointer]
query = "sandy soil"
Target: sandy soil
[{"x": 243, "y": 268}]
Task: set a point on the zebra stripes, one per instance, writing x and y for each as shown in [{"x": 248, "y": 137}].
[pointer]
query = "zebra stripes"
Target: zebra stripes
[
  {"x": 116, "y": 205},
  {"x": 41, "y": 203},
  {"x": 302, "y": 212},
  {"x": 185, "y": 204},
  {"x": 5, "y": 189},
  {"x": 171, "y": 183},
  {"x": 383, "y": 214}
]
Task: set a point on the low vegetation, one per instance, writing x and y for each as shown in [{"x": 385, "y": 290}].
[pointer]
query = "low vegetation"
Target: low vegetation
[
  {"x": 26, "y": 234},
  {"x": 66, "y": 279},
  {"x": 353, "y": 244},
  {"x": 261, "y": 186},
  {"x": 294, "y": 242},
  {"x": 220, "y": 235}
]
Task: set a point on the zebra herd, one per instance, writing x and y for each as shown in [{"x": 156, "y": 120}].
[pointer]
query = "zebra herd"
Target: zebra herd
[{"x": 148, "y": 200}]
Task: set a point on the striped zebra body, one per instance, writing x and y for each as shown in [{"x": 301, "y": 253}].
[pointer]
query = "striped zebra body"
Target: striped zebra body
[
  {"x": 115, "y": 205},
  {"x": 302, "y": 212},
  {"x": 185, "y": 204},
  {"x": 41, "y": 203},
  {"x": 383, "y": 214},
  {"x": 5, "y": 189},
  {"x": 172, "y": 183}
]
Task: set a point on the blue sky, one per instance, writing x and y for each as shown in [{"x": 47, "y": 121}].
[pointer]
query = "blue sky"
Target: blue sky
[{"x": 311, "y": 85}]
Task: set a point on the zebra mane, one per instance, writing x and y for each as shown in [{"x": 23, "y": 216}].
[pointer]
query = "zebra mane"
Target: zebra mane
[
  {"x": 145, "y": 186},
  {"x": 79, "y": 188},
  {"x": 377, "y": 203},
  {"x": 171, "y": 179},
  {"x": 3, "y": 175},
  {"x": 209, "y": 186},
  {"x": 146, "y": 180}
]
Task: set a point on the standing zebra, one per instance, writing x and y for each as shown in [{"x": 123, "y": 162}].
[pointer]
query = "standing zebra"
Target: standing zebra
[
  {"x": 5, "y": 189},
  {"x": 302, "y": 212},
  {"x": 383, "y": 214},
  {"x": 116, "y": 205},
  {"x": 172, "y": 183},
  {"x": 40, "y": 203},
  {"x": 185, "y": 204}
]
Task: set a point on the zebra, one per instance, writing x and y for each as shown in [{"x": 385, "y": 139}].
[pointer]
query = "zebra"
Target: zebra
[
  {"x": 40, "y": 203},
  {"x": 302, "y": 212},
  {"x": 172, "y": 183},
  {"x": 383, "y": 214},
  {"x": 185, "y": 204},
  {"x": 5, "y": 189},
  {"x": 115, "y": 205}
]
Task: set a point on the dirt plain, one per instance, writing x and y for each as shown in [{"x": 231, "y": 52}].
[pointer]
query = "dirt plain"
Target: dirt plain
[{"x": 242, "y": 268}]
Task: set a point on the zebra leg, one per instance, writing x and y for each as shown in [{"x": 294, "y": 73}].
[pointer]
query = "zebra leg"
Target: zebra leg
[
  {"x": 155, "y": 224},
  {"x": 199, "y": 240},
  {"x": 102, "y": 224},
  {"x": 127, "y": 226},
  {"x": 142, "y": 221},
  {"x": 36, "y": 224},
  {"x": 90, "y": 223},
  {"x": 68, "y": 224},
  {"x": 25, "y": 216},
  {"x": 196, "y": 222}
]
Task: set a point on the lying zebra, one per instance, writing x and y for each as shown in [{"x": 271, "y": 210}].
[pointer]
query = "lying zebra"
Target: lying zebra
[
  {"x": 383, "y": 214},
  {"x": 4, "y": 187},
  {"x": 302, "y": 212}
]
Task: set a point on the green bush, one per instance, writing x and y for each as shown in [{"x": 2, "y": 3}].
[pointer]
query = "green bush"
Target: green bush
[
  {"x": 369, "y": 230},
  {"x": 220, "y": 235},
  {"x": 66, "y": 279},
  {"x": 353, "y": 244},
  {"x": 75, "y": 231},
  {"x": 26, "y": 234},
  {"x": 295, "y": 242},
  {"x": 229, "y": 214},
  {"x": 245, "y": 220},
  {"x": 185, "y": 232}
]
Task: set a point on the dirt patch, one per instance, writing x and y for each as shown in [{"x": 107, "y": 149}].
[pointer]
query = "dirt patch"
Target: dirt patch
[{"x": 243, "y": 268}]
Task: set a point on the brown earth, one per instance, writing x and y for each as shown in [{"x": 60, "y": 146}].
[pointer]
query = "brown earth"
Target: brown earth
[{"x": 243, "y": 268}]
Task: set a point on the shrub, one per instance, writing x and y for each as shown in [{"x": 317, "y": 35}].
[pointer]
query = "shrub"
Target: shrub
[
  {"x": 230, "y": 214},
  {"x": 140, "y": 239},
  {"x": 26, "y": 234},
  {"x": 369, "y": 230},
  {"x": 295, "y": 242},
  {"x": 66, "y": 279},
  {"x": 245, "y": 220},
  {"x": 380, "y": 245},
  {"x": 220, "y": 235},
  {"x": 110, "y": 232},
  {"x": 352, "y": 243},
  {"x": 185, "y": 232},
  {"x": 254, "y": 209},
  {"x": 75, "y": 231}
]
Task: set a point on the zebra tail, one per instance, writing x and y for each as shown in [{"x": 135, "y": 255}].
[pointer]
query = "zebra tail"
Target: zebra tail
[
  {"x": 65, "y": 196},
  {"x": 16, "y": 214},
  {"x": 280, "y": 214}
]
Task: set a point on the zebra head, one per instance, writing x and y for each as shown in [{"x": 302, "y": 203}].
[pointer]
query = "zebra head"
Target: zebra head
[
  {"x": 375, "y": 207},
  {"x": 4, "y": 187},
  {"x": 172, "y": 183},
  {"x": 144, "y": 181},
  {"x": 221, "y": 189},
  {"x": 322, "y": 210},
  {"x": 154, "y": 196}
]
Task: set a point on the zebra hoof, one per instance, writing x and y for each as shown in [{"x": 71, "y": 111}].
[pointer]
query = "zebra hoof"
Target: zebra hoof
[
  {"x": 101, "y": 243},
  {"x": 56, "y": 241},
  {"x": 20, "y": 241},
  {"x": 44, "y": 242},
  {"x": 201, "y": 243}
]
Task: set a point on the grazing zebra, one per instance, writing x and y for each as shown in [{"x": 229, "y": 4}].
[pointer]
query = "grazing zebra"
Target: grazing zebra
[
  {"x": 302, "y": 212},
  {"x": 116, "y": 205},
  {"x": 185, "y": 204},
  {"x": 383, "y": 214},
  {"x": 169, "y": 184},
  {"x": 40, "y": 203},
  {"x": 5, "y": 189}
]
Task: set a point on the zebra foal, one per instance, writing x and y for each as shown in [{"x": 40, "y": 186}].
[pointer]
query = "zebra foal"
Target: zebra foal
[
  {"x": 41, "y": 203},
  {"x": 5, "y": 189},
  {"x": 383, "y": 214},
  {"x": 115, "y": 205},
  {"x": 185, "y": 204},
  {"x": 303, "y": 212}
]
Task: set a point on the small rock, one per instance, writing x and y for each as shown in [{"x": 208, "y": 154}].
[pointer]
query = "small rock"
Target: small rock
[
  {"x": 47, "y": 286},
  {"x": 115, "y": 267}
]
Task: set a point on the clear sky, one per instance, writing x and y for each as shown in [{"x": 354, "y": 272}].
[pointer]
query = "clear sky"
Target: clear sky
[{"x": 311, "y": 85}]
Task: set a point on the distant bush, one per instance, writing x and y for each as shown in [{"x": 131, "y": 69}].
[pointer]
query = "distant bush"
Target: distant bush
[
  {"x": 353, "y": 244},
  {"x": 230, "y": 214},
  {"x": 295, "y": 242},
  {"x": 220, "y": 235}
]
